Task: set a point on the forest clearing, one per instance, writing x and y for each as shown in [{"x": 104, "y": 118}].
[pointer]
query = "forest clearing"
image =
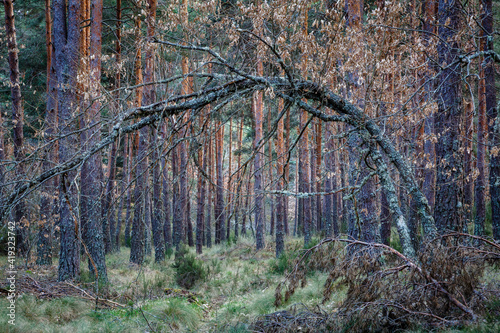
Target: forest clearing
[{"x": 250, "y": 165}]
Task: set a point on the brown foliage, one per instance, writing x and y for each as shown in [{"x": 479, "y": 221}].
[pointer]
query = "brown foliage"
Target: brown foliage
[{"x": 386, "y": 290}]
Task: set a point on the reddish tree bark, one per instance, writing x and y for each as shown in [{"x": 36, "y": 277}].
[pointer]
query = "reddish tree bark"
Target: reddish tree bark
[
  {"x": 448, "y": 214},
  {"x": 258, "y": 108},
  {"x": 280, "y": 174},
  {"x": 20, "y": 217},
  {"x": 49, "y": 189},
  {"x": 230, "y": 197},
  {"x": 304, "y": 222},
  {"x": 219, "y": 206}
]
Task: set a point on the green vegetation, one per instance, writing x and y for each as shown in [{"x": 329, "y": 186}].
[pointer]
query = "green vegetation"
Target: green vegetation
[
  {"x": 235, "y": 286},
  {"x": 188, "y": 269}
]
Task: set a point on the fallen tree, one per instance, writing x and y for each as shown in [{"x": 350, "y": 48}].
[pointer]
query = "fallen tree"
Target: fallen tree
[{"x": 387, "y": 290}]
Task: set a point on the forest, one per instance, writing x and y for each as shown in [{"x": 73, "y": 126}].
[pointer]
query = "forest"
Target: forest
[{"x": 249, "y": 166}]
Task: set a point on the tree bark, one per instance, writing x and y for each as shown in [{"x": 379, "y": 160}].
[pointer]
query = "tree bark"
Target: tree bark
[
  {"x": 318, "y": 179},
  {"x": 259, "y": 197},
  {"x": 137, "y": 237},
  {"x": 210, "y": 191},
  {"x": 20, "y": 218},
  {"x": 449, "y": 213},
  {"x": 200, "y": 209},
  {"x": 239, "y": 178},
  {"x": 480, "y": 185},
  {"x": 330, "y": 201},
  {"x": 280, "y": 174},
  {"x": 219, "y": 208},
  {"x": 66, "y": 48},
  {"x": 49, "y": 189},
  {"x": 492, "y": 117}
]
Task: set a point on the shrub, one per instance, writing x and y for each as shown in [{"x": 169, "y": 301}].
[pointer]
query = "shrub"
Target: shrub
[
  {"x": 188, "y": 269},
  {"x": 281, "y": 264}
]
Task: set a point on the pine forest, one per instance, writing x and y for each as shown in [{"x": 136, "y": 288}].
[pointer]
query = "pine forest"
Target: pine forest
[{"x": 250, "y": 166}]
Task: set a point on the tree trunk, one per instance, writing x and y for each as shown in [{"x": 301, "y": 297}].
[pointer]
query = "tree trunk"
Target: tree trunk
[
  {"x": 318, "y": 182},
  {"x": 49, "y": 189},
  {"x": 287, "y": 169},
  {"x": 66, "y": 47},
  {"x": 210, "y": 191},
  {"x": 137, "y": 237},
  {"x": 131, "y": 168},
  {"x": 167, "y": 230},
  {"x": 480, "y": 185},
  {"x": 492, "y": 117},
  {"x": 429, "y": 184},
  {"x": 200, "y": 209},
  {"x": 330, "y": 201},
  {"x": 448, "y": 214},
  {"x": 280, "y": 174},
  {"x": 176, "y": 201},
  {"x": 108, "y": 211},
  {"x": 258, "y": 108},
  {"x": 230, "y": 197},
  {"x": 239, "y": 177},
  {"x": 20, "y": 217},
  {"x": 149, "y": 98},
  {"x": 246, "y": 211},
  {"x": 219, "y": 208}
]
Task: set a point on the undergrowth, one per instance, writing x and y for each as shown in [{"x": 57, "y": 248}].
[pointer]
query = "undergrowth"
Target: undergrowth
[
  {"x": 386, "y": 291},
  {"x": 236, "y": 288}
]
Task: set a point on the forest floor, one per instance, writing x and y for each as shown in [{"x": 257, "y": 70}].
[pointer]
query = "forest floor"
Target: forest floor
[{"x": 238, "y": 287}]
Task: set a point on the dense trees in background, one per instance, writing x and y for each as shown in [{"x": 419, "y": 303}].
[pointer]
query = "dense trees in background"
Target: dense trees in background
[{"x": 194, "y": 123}]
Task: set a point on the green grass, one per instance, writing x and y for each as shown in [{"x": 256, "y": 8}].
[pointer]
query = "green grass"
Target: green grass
[{"x": 239, "y": 285}]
